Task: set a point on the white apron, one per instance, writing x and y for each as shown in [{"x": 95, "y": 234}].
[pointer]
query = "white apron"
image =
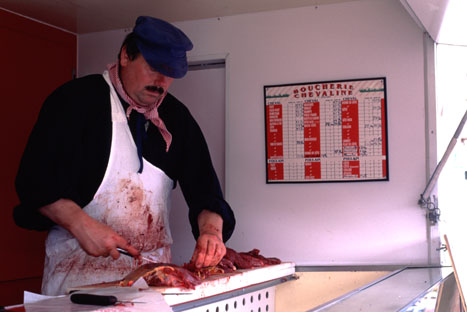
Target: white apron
[{"x": 134, "y": 205}]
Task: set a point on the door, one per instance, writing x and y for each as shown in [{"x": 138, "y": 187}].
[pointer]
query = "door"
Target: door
[{"x": 203, "y": 92}]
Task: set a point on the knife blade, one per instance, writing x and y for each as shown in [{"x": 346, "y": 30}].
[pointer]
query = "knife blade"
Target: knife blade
[{"x": 126, "y": 253}]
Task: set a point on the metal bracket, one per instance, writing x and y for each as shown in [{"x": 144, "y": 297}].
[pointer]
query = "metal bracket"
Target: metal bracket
[
  {"x": 442, "y": 247},
  {"x": 425, "y": 200},
  {"x": 432, "y": 207}
]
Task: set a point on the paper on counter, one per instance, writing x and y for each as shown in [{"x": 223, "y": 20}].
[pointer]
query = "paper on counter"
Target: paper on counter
[
  {"x": 30, "y": 297},
  {"x": 153, "y": 301}
]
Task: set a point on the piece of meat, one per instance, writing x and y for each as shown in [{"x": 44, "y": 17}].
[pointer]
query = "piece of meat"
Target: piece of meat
[
  {"x": 243, "y": 260},
  {"x": 249, "y": 260},
  {"x": 172, "y": 276},
  {"x": 162, "y": 274},
  {"x": 202, "y": 273},
  {"x": 227, "y": 265},
  {"x": 268, "y": 261}
]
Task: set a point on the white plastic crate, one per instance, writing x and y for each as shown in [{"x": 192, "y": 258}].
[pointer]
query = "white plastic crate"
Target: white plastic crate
[{"x": 257, "y": 301}]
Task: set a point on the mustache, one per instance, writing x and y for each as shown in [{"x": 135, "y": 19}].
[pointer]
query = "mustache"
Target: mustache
[{"x": 158, "y": 89}]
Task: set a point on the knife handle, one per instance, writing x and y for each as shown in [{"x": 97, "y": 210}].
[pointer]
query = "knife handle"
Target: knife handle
[{"x": 93, "y": 299}]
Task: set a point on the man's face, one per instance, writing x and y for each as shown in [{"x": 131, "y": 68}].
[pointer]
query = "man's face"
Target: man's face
[{"x": 143, "y": 84}]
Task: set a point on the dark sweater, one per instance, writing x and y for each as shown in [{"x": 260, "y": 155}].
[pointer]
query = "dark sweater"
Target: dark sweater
[{"x": 67, "y": 153}]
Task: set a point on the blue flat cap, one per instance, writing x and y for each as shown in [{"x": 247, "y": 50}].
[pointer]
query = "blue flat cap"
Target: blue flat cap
[{"x": 162, "y": 45}]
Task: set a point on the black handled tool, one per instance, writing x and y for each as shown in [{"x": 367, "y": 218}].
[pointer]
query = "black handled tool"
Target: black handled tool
[
  {"x": 93, "y": 299},
  {"x": 99, "y": 300}
]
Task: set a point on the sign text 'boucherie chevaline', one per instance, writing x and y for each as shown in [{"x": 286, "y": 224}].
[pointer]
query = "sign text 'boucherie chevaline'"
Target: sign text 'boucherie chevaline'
[{"x": 326, "y": 131}]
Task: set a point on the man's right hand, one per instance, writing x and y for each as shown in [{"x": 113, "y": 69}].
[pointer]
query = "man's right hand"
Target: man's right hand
[{"x": 96, "y": 239}]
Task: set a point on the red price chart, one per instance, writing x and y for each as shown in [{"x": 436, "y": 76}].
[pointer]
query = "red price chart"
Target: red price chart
[{"x": 326, "y": 131}]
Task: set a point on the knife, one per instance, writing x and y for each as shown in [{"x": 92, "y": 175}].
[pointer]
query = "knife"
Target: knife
[
  {"x": 99, "y": 300},
  {"x": 126, "y": 253}
]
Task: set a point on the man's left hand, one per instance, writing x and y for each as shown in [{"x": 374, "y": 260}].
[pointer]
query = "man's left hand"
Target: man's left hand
[{"x": 210, "y": 248}]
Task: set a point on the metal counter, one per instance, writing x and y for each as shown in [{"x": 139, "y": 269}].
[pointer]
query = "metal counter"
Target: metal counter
[
  {"x": 260, "y": 297},
  {"x": 396, "y": 291}
]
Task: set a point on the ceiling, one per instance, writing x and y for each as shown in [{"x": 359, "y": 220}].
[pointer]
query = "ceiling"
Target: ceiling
[
  {"x": 86, "y": 16},
  {"x": 443, "y": 19}
]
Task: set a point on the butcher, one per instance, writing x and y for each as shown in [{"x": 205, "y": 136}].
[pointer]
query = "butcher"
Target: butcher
[{"x": 101, "y": 162}]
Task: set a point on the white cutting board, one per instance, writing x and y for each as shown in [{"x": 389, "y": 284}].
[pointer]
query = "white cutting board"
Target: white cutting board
[{"x": 216, "y": 285}]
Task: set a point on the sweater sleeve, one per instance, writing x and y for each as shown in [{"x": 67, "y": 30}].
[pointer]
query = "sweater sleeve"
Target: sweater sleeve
[{"x": 53, "y": 164}]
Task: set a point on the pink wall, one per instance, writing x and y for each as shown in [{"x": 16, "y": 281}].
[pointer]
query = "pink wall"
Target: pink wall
[{"x": 325, "y": 223}]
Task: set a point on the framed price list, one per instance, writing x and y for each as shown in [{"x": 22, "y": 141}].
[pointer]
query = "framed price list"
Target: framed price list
[{"x": 326, "y": 131}]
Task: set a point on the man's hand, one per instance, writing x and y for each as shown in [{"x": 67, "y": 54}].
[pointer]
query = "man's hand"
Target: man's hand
[
  {"x": 96, "y": 239},
  {"x": 210, "y": 248}
]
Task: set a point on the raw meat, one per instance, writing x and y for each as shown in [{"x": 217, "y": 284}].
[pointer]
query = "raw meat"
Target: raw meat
[
  {"x": 188, "y": 276},
  {"x": 162, "y": 274},
  {"x": 249, "y": 260}
]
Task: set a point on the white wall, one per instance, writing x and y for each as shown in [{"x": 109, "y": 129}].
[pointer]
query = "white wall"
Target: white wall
[{"x": 317, "y": 223}]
